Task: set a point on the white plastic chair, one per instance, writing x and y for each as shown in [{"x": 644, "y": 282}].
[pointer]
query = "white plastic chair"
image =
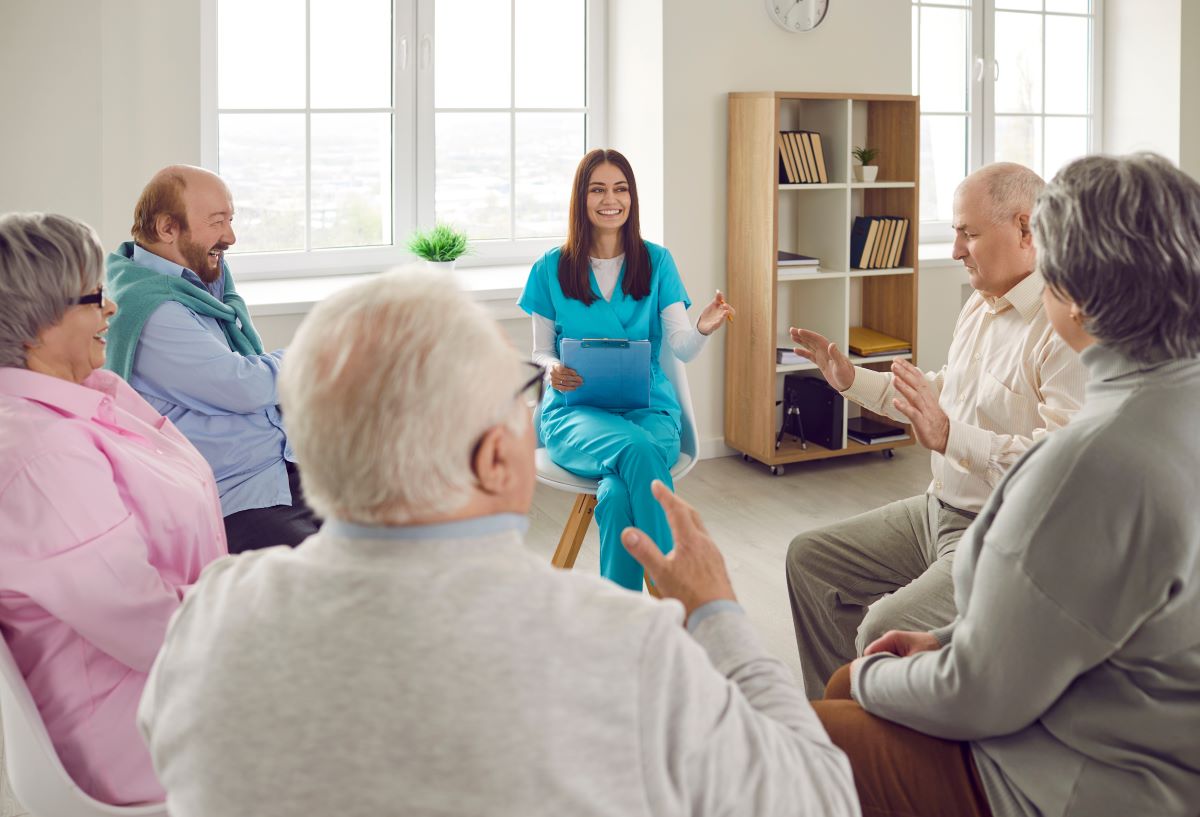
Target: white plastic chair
[
  {"x": 35, "y": 772},
  {"x": 585, "y": 489}
]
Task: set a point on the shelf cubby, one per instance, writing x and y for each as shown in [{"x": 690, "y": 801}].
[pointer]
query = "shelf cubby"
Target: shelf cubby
[{"x": 765, "y": 216}]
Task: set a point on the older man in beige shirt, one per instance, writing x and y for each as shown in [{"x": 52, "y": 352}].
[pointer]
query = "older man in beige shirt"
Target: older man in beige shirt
[{"x": 1008, "y": 380}]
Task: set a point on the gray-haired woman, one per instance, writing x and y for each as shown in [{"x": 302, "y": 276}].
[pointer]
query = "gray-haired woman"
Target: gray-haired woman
[
  {"x": 1070, "y": 681},
  {"x": 107, "y": 513}
]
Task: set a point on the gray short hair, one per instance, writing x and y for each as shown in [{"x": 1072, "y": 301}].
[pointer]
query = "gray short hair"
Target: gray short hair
[
  {"x": 46, "y": 262},
  {"x": 1011, "y": 188},
  {"x": 1120, "y": 236},
  {"x": 386, "y": 389}
]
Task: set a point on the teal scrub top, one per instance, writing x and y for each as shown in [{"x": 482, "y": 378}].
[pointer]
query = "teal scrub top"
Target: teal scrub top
[{"x": 622, "y": 317}]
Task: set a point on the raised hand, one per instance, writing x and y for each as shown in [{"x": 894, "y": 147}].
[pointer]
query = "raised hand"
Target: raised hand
[
  {"x": 694, "y": 572},
  {"x": 835, "y": 366},
  {"x": 920, "y": 405},
  {"x": 715, "y": 315}
]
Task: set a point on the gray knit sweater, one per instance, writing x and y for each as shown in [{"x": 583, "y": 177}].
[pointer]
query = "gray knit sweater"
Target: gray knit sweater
[
  {"x": 447, "y": 671},
  {"x": 1074, "y": 664}
]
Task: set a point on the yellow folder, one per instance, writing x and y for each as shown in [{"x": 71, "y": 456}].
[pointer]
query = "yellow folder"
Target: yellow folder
[{"x": 864, "y": 341}]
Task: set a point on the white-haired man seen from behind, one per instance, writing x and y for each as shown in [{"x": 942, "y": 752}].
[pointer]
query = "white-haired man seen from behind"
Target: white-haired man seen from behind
[{"x": 414, "y": 658}]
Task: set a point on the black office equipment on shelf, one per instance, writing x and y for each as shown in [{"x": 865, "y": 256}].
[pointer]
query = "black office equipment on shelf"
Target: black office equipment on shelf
[
  {"x": 814, "y": 408},
  {"x": 791, "y": 425}
]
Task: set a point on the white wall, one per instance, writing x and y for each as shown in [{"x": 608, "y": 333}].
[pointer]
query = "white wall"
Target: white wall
[
  {"x": 1142, "y": 76},
  {"x": 50, "y": 152},
  {"x": 635, "y": 100},
  {"x": 150, "y": 116},
  {"x": 106, "y": 93},
  {"x": 712, "y": 47},
  {"x": 1189, "y": 99}
]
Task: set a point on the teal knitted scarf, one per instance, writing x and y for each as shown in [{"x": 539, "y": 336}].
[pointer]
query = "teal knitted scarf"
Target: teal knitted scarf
[{"x": 139, "y": 291}]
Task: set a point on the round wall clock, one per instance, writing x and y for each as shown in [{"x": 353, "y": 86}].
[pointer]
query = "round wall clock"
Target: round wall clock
[{"x": 797, "y": 15}]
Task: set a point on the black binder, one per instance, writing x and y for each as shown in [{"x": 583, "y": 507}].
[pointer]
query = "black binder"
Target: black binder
[{"x": 820, "y": 406}]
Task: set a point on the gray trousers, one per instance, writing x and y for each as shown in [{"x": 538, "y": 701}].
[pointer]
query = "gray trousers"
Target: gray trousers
[{"x": 838, "y": 577}]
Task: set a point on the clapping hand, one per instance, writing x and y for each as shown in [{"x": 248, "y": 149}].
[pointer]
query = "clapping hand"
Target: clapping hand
[
  {"x": 694, "y": 572},
  {"x": 835, "y": 366},
  {"x": 715, "y": 314},
  {"x": 920, "y": 405}
]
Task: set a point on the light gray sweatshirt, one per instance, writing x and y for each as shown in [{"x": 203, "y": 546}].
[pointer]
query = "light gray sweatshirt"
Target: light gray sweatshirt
[
  {"x": 1074, "y": 664},
  {"x": 447, "y": 671}
]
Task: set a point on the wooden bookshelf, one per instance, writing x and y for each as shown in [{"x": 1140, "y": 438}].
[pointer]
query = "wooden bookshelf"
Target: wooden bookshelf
[{"x": 765, "y": 216}]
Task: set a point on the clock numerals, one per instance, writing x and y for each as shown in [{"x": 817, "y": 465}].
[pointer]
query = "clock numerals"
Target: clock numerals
[{"x": 798, "y": 15}]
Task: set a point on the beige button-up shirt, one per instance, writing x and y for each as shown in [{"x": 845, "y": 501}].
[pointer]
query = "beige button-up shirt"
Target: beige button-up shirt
[{"x": 1009, "y": 380}]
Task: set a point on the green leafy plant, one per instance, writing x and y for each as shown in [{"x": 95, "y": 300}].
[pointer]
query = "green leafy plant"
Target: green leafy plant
[
  {"x": 441, "y": 243},
  {"x": 865, "y": 155}
]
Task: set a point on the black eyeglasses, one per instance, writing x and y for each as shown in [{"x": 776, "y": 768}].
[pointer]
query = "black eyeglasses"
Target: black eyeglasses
[
  {"x": 96, "y": 297},
  {"x": 533, "y": 398}
]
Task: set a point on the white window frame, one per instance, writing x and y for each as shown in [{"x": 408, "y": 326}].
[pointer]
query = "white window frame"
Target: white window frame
[
  {"x": 413, "y": 147},
  {"x": 982, "y": 68}
]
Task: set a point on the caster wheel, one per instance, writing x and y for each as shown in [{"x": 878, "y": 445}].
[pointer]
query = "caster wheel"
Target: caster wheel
[
  {"x": 777, "y": 470},
  {"x": 745, "y": 458},
  {"x": 888, "y": 453},
  {"x": 777, "y": 446}
]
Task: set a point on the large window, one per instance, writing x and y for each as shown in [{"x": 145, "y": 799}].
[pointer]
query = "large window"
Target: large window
[
  {"x": 1001, "y": 80},
  {"x": 366, "y": 119}
]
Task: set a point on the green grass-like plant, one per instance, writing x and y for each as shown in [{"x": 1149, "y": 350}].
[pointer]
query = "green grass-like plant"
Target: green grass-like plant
[
  {"x": 442, "y": 243},
  {"x": 865, "y": 155}
]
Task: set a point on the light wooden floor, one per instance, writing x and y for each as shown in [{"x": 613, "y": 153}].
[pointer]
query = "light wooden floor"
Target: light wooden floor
[{"x": 753, "y": 516}]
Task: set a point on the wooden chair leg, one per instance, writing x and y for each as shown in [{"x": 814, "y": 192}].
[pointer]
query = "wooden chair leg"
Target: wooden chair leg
[{"x": 573, "y": 532}]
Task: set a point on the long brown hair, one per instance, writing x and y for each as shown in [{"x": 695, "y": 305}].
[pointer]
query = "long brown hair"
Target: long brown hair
[{"x": 573, "y": 264}]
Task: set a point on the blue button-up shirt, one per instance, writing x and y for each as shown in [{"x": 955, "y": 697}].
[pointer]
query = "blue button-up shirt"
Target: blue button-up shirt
[{"x": 225, "y": 403}]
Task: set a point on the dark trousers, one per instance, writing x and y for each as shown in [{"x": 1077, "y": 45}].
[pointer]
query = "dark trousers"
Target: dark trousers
[
  {"x": 277, "y": 525},
  {"x": 899, "y": 772}
]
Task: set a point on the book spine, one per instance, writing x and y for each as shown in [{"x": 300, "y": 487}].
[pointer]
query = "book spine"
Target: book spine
[{"x": 785, "y": 160}]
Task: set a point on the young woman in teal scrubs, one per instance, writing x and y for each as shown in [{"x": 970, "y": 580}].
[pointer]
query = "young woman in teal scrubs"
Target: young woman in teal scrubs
[{"x": 606, "y": 282}]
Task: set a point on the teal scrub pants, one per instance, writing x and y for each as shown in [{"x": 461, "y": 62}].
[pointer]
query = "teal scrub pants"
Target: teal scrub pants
[{"x": 625, "y": 452}]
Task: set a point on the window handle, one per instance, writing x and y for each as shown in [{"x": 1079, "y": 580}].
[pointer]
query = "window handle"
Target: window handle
[
  {"x": 978, "y": 68},
  {"x": 995, "y": 70},
  {"x": 426, "y": 49},
  {"x": 404, "y": 53}
]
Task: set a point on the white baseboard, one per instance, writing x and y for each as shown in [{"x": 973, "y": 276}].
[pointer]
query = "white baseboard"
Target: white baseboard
[{"x": 714, "y": 447}]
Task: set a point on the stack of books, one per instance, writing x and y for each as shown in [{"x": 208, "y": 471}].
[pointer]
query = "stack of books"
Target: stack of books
[
  {"x": 869, "y": 432},
  {"x": 877, "y": 242},
  {"x": 801, "y": 158},
  {"x": 796, "y": 264},
  {"x": 787, "y": 354},
  {"x": 869, "y": 343}
]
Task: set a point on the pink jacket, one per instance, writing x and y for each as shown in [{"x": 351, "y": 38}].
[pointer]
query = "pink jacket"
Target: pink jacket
[{"x": 107, "y": 515}]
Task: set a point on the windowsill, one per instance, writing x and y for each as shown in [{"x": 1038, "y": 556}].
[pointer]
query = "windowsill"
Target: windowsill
[
  {"x": 296, "y": 296},
  {"x": 936, "y": 255}
]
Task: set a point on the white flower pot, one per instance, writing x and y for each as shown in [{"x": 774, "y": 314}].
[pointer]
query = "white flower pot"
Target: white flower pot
[
  {"x": 865, "y": 173},
  {"x": 443, "y": 266}
]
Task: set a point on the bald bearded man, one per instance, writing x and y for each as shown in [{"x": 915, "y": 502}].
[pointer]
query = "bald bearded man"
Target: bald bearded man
[{"x": 184, "y": 340}]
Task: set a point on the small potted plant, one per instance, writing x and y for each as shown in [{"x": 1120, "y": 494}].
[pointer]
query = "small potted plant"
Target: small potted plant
[
  {"x": 440, "y": 246},
  {"x": 865, "y": 171}
]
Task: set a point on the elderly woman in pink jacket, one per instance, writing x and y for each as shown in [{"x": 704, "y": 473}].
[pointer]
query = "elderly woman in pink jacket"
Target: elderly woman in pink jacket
[{"x": 107, "y": 513}]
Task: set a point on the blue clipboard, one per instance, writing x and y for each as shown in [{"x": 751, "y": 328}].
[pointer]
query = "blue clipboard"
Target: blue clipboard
[{"x": 615, "y": 372}]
